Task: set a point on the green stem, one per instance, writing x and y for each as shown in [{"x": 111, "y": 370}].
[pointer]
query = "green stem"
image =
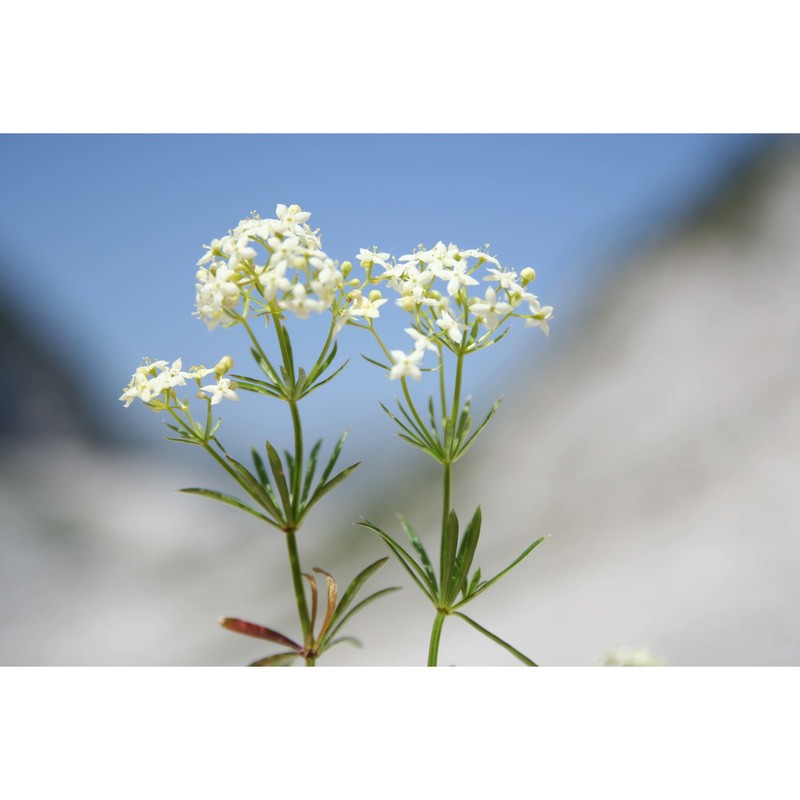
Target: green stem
[
  {"x": 298, "y": 459},
  {"x": 436, "y": 634},
  {"x": 448, "y": 469},
  {"x": 297, "y": 580}
]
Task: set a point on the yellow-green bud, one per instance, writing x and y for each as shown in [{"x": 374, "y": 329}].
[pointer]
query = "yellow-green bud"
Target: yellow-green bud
[
  {"x": 527, "y": 275},
  {"x": 374, "y": 295},
  {"x": 407, "y": 302},
  {"x": 225, "y": 365},
  {"x": 346, "y": 268}
]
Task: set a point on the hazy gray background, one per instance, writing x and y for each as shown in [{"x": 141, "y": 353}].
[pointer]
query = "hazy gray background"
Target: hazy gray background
[{"x": 655, "y": 434}]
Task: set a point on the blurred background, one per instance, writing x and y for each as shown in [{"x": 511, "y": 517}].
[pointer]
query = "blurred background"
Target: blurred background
[{"x": 655, "y": 434}]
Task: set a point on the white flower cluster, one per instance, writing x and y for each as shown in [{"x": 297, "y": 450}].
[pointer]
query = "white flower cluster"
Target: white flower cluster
[
  {"x": 156, "y": 378},
  {"x": 296, "y": 276},
  {"x": 434, "y": 287}
]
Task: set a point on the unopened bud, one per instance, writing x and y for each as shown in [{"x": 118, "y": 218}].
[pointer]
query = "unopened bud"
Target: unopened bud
[
  {"x": 346, "y": 268},
  {"x": 225, "y": 365},
  {"x": 407, "y": 302},
  {"x": 374, "y": 295},
  {"x": 527, "y": 275}
]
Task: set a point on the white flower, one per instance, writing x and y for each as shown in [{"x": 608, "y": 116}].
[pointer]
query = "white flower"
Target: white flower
[
  {"x": 405, "y": 365},
  {"x": 452, "y": 328},
  {"x": 539, "y": 317},
  {"x": 369, "y": 257},
  {"x": 298, "y": 302},
  {"x": 479, "y": 254},
  {"x": 488, "y": 310},
  {"x": 457, "y": 277},
  {"x": 440, "y": 257},
  {"x": 292, "y": 217},
  {"x": 216, "y": 292},
  {"x": 273, "y": 280},
  {"x": 223, "y": 388},
  {"x": 421, "y": 342},
  {"x": 505, "y": 277},
  {"x": 367, "y": 306}
]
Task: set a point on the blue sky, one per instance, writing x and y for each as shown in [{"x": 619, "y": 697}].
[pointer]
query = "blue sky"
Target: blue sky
[{"x": 100, "y": 234}]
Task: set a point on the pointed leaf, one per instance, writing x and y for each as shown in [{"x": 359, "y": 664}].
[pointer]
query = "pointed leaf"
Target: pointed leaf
[
  {"x": 324, "y": 488},
  {"x": 278, "y": 660},
  {"x": 261, "y": 470},
  {"x": 231, "y": 501},
  {"x": 355, "y": 586},
  {"x": 492, "y": 411},
  {"x": 476, "y": 579},
  {"x": 311, "y": 468},
  {"x": 376, "y": 363},
  {"x": 418, "y": 546},
  {"x": 497, "y": 640},
  {"x": 405, "y": 559},
  {"x": 466, "y": 553},
  {"x": 313, "y": 387},
  {"x": 357, "y": 607},
  {"x": 258, "y": 632},
  {"x": 267, "y": 368},
  {"x": 337, "y": 449},
  {"x": 249, "y": 483},
  {"x": 321, "y": 365},
  {"x": 280, "y": 480},
  {"x": 449, "y": 544},
  {"x": 351, "y": 639},
  {"x": 482, "y": 587},
  {"x": 301, "y": 381}
]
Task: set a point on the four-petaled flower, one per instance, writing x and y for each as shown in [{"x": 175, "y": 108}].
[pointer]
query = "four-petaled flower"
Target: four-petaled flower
[
  {"x": 223, "y": 388},
  {"x": 405, "y": 364}
]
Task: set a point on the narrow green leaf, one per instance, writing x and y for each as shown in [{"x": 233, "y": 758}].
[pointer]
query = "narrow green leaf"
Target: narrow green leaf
[
  {"x": 357, "y": 607},
  {"x": 255, "y": 388},
  {"x": 311, "y": 468},
  {"x": 280, "y": 481},
  {"x": 289, "y": 466},
  {"x": 255, "y": 381},
  {"x": 400, "y": 424},
  {"x": 324, "y": 488},
  {"x": 464, "y": 424},
  {"x": 187, "y": 440},
  {"x": 492, "y": 411},
  {"x": 432, "y": 415},
  {"x": 419, "y": 547},
  {"x": 261, "y": 470},
  {"x": 449, "y": 544},
  {"x": 497, "y": 640},
  {"x": 301, "y": 381},
  {"x": 483, "y": 587},
  {"x": 229, "y": 500},
  {"x": 323, "y": 362},
  {"x": 405, "y": 559},
  {"x": 249, "y": 483},
  {"x": 278, "y": 660},
  {"x": 267, "y": 368},
  {"x": 476, "y": 579},
  {"x": 337, "y": 449},
  {"x": 424, "y": 433},
  {"x": 317, "y": 384},
  {"x": 421, "y": 446},
  {"x": 355, "y": 586},
  {"x": 376, "y": 363},
  {"x": 466, "y": 553},
  {"x": 351, "y": 639}
]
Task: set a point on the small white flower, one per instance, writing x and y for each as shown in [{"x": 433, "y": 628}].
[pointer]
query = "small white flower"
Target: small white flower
[
  {"x": 421, "y": 342},
  {"x": 457, "y": 277},
  {"x": 405, "y": 365},
  {"x": 452, "y": 328},
  {"x": 489, "y": 309},
  {"x": 540, "y": 315},
  {"x": 507, "y": 278},
  {"x": 299, "y": 302},
  {"x": 369, "y": 257},
  {"x": 224, "y": 388},
  {"x": 366, "y": 306}
]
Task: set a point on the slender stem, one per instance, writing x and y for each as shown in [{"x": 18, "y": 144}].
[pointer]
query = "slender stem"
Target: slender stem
[
  {"x": 298, "y": 459},
  {"x": 442, "y": 385},
  {"x": 448, "y": 469},
  {"x": 436, "y": 634},
  {"x": 457, "y": 389},
  {"x": 297, "y": 579}
]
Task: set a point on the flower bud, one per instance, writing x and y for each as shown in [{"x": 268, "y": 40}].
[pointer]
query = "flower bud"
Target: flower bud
[
  {"x": 374, "y": 295},
  {"x": 407, "y": 302},
  {"x": 346, "y": 268},
  {"x": 225, "y": 365},
  {"x": 527, "y": 275}
]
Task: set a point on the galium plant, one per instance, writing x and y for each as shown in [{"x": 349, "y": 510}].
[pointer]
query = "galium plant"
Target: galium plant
[
  {"x": 255, "y": 277},
  {"x": 459, "y": 302}
]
